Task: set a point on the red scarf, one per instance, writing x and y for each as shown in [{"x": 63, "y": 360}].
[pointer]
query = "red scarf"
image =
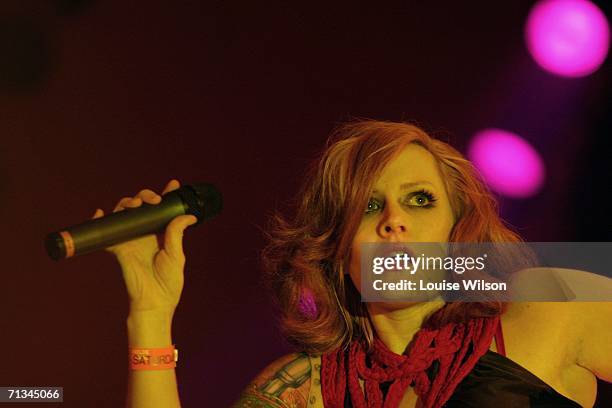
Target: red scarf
[{"x": 457, "y": 347}]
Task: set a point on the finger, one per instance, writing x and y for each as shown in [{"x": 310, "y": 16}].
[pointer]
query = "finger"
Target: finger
[
  {"x": 171, "y": 186},
  {"x": 149, "y": 196},
  {"x": 98, "y": 214},
  {"x": 173, "y": 239},
  {"x": 128, "y": 202}
]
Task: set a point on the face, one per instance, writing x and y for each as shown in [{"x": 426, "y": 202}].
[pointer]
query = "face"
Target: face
[{"x": 409, "y": 203}]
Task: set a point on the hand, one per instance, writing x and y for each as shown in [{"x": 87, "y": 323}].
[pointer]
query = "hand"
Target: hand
[{"x": 152, "y": 266}]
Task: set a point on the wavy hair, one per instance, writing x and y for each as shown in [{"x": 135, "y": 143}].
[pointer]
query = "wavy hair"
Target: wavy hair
[{"x": 307, "y": 256}]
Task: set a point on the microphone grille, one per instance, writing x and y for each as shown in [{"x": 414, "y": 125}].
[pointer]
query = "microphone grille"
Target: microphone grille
[{"x": 210, "y": 199}]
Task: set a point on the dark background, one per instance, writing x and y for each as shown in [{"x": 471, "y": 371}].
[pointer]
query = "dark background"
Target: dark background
[{"x": 99, "y": 99}]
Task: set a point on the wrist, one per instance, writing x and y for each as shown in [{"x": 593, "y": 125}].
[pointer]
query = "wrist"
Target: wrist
[
  {"x": 149, "y": 328},
  {"x": 153, "y": 358}
]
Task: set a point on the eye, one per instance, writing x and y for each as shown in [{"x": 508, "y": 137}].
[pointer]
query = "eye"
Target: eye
[
  {"x": 422, "y": 198},
  {"x": 373, "y": 206}
]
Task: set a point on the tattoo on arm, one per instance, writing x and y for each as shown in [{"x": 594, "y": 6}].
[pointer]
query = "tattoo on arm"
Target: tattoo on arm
[{"x": 279, "y": 386}]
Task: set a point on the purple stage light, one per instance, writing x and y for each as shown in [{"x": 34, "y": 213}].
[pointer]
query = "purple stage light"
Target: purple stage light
[
  {"x": 568, "y": 37},
  {"x": 508, "y": 163},
  {"x": 307, "y": 304}
]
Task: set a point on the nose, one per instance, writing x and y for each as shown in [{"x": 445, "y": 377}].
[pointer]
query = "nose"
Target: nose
[
  {"x": 392, "y": 227},
  {"x": 393, "y": 224}
]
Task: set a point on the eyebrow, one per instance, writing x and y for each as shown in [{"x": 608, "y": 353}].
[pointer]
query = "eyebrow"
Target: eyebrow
[{"x": 406, "y": 186}]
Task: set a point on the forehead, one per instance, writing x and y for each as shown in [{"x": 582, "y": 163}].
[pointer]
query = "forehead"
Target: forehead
[{"x": 412, "y": 164}]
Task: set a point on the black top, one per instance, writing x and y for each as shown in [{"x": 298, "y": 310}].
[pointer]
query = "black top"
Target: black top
[{"x": 496, "y": 381}]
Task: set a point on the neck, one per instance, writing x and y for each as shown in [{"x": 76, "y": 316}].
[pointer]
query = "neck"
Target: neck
[{"x": 397, "y": 326}]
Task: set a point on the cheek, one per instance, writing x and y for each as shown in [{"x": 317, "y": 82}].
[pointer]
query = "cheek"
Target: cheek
[
  {"x": 442, "y": 229},
  {"x": 449, "y": 223},
  {"x": 444, "y": 220}
]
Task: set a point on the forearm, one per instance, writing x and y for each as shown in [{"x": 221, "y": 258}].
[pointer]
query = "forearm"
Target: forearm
[{"x": 151, "y": 388}]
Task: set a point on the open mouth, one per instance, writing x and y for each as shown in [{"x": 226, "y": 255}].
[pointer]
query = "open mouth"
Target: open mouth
[{"x": 394, "y": 250}]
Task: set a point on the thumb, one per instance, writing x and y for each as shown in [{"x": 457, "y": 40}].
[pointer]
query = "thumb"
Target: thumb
[{"x": 173, "y": 240}]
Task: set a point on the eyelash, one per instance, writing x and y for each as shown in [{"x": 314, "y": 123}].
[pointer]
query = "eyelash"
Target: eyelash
[{"x": 431, "y": 199}]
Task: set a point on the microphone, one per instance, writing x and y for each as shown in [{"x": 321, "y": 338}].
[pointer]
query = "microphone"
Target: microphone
[{"x": 202, "y": 200}]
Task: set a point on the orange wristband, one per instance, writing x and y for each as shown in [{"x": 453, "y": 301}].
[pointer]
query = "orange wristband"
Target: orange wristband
[{"x": 153, "y": 358}]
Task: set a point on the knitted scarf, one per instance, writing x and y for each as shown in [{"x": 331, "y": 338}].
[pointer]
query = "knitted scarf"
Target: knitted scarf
[{"x": 456, "y": 347}]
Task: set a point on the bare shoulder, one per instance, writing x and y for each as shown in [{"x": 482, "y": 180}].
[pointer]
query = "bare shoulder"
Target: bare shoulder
[
  {"x": 285, "y": 383},
  {"x": 581, "y": 324},
  {"x": 586, "y": 297},
  {"x": 565, "y": 284},
  {"x": 583, "y": 297},
  {"x": 591, "y": 311}
]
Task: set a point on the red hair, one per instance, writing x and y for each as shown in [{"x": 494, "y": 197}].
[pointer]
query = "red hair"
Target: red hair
[{"x": 306, "y": 257}]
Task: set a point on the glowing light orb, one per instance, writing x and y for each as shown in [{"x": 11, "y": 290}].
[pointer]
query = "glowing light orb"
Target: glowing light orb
[
  {"x": 568, "y": 37},
  {"x": 508, "y": 163}
]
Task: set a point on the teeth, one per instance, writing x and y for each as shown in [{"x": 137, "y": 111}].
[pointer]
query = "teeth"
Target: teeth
[
  {"x": 401, "y": 254},
  {"x": 393, "y": 251}
]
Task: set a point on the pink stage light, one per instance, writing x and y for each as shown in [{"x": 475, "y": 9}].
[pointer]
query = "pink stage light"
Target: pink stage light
[
  {"x": 569, "y": 38},
  {"x": 307, "y": 304},
  {"x": 508, "y": 163}
]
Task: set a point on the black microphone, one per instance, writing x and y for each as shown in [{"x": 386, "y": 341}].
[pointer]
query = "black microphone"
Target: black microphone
[{"x": 201, "y": 200}]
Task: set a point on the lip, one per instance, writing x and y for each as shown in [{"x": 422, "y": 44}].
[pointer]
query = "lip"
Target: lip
[{"x": 391, "y": 249}]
